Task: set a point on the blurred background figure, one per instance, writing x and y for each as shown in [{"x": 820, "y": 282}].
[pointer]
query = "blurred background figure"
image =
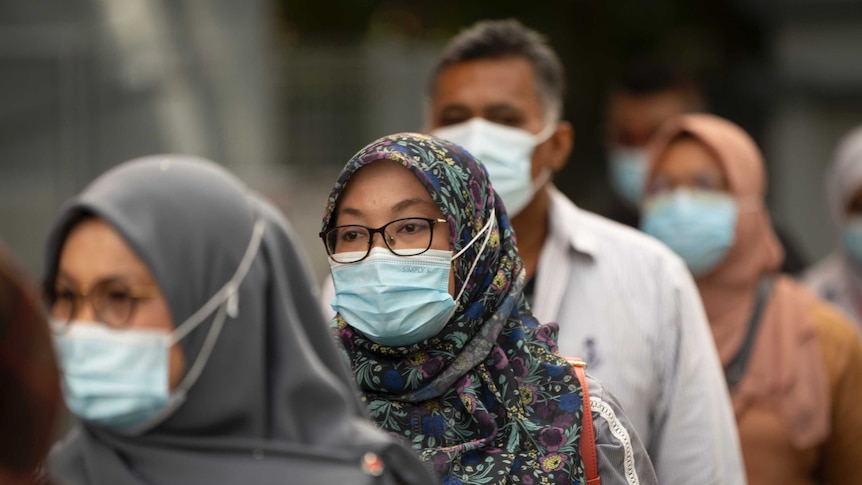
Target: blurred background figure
[
  {"x": 261, "y": 85},
  {"x": 838, "y": 278},
  {"x": 30, "y": 399},
  {"x": 159, "y": 275},
  {"x": 647, "y": 94},
  {"x": 793, "y": 363}
]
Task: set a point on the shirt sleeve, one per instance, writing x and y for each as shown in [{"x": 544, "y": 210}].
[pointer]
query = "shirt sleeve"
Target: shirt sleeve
[
  {"x": 622, "y": 458},
  {"x": 694, "y": 435}
]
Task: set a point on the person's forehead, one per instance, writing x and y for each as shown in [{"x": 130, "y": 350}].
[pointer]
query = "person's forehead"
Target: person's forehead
[
  {"x": 653, "y": 107},
  {"x": 689, "y": 155},
  {"x": 484, "y": 82}
]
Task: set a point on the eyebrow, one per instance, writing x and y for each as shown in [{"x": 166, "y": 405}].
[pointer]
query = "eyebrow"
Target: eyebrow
[
  {"x": 62, "y": 275},
  {"x": 502, "y": 107},
  {"x": 408, "y": 203},
  {"x": 399, "y": 207}
]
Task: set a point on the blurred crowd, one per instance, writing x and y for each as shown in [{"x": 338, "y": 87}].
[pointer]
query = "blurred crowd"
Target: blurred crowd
[{"x": 476, "y": 325}]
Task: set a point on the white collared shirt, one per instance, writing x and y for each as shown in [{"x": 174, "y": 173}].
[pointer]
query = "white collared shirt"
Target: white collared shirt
[{"x": 629, "y": 307}]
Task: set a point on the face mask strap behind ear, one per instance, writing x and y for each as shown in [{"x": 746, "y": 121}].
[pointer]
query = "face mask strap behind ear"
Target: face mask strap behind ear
[
  {"x": 228, "y": 293},
  {"x": 226, "y": 301},
  {"x": 546, "y": 133},
  {"x": 487, "y": 231}
]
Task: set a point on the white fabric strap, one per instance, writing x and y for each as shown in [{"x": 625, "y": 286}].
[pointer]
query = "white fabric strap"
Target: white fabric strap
[{"x": 229, "y": 292}]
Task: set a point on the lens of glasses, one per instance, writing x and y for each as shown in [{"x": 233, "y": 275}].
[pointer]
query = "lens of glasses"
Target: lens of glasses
[
  {"x": 404, "y": 237},
  {"x": 113, "y": 303},
  {"x": 61, "y": 303}
]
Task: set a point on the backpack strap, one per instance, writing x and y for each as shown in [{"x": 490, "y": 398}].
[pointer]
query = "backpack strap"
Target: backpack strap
[{"x": 588, "y": 435}]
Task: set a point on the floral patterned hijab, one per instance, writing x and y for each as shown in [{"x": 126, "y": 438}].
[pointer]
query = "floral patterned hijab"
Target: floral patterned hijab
[{"x": 487, "y": 400}]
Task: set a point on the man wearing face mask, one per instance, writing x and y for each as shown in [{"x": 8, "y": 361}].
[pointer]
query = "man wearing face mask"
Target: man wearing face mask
[
  {"x": 648, "y": 93},
  {"x": 622, "y": 300}
]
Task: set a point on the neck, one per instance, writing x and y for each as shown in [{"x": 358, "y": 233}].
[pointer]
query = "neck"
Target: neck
[
  {"x": 728, "y": 308},
  {"x": 531, "y": 229}
]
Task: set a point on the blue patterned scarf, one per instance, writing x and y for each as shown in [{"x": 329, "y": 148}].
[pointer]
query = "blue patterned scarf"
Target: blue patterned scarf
[{"x": 487, "y": 400}]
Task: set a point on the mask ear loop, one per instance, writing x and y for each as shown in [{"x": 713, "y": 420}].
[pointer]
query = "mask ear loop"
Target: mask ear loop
[
  {"x": 487, "y": 231},
  {"x": 226, "y": 301},
  {"x": 545, "y": 134}
]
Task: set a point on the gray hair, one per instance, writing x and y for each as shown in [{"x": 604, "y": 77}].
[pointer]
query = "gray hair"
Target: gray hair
[{"x": 498, "y": 39}]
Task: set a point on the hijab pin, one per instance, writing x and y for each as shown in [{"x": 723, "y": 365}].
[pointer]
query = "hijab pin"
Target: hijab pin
[{"x": 372, "y": 465}]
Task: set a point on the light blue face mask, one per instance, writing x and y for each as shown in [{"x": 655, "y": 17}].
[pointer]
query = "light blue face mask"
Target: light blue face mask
[
  {"x": 399, "y": 300},
  {"x": 698, "y": 225},
  {"x": 506, "y": 153},
  {"x": 626, "y": 171},
  {"x": 851, "y": 237},
  {"x": 118, "y": 378}
]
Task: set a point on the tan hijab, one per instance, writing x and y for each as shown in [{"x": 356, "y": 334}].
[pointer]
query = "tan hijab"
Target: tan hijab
[{"x": 786, "y": 366}]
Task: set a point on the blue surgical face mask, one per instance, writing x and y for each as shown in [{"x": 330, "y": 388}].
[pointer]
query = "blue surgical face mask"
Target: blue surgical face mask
[
  {"x": 851, "y": 236},
  {"x": 506, "y": 153},
  {"x": 698, "y": 225},
  {"x": 399, "y": 300},
  {"x": 118, "y": 378},
  {"x": 626, "y": 170}
]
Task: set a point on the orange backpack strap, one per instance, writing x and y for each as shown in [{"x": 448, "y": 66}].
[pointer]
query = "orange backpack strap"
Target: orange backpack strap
[{"x": 588, "y": 435}]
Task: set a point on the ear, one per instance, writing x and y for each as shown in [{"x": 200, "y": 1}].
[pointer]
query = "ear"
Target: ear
[{"x": 559, "y": 146}]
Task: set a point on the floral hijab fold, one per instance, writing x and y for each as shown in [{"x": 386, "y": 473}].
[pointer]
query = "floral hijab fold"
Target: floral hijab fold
[{"x": 487, "y": 400}]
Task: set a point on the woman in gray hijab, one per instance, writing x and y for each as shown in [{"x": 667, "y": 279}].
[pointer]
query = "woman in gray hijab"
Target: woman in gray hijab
[{"x": 191, "y": 344}]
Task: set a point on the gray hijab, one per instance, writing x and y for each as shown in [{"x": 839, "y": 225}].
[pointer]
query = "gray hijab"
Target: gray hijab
[{"x": 273, "y": 396}]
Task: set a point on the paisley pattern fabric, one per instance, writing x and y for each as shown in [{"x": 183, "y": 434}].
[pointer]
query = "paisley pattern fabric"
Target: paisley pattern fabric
[{"x": 487, "y": 400}]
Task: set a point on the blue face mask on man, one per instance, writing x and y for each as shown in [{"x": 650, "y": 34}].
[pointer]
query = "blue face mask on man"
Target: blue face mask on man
[
  {"x": 698, "y": 225},
  {"x": 506, "y": 153},
  {"x": 626, "y": 171},
  {"x": 399, "y": 300}
]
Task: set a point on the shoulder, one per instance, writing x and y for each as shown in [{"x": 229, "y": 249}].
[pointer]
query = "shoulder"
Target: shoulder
[
  {"x": 838, "y": 338},
  {"x": 823, "y": 274},
  {"x": 66, "y": 460},
  {"x": 608, "y": 238}
]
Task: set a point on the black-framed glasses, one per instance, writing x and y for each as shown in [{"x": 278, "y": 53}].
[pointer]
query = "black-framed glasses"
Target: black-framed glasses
[
  {"x": 113, "y": 301},
  {"x": 403, "y": 237}
]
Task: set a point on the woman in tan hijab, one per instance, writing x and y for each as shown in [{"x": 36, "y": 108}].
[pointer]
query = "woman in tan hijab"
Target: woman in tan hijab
[{"x": 793, "y": 362}]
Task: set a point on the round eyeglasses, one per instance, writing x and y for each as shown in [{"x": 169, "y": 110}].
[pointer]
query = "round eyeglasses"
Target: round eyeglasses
[
  {"x": 403, "y": 237},
  {"x": 114, "y": 302}
]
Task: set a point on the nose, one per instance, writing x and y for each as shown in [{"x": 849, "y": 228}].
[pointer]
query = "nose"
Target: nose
[
  {"x": 84, "y": 310},
  {"x": 384, "y": 241}
]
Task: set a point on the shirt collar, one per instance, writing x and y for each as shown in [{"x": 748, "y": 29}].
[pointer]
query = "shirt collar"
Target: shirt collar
[{"x": 567, "y": 224}]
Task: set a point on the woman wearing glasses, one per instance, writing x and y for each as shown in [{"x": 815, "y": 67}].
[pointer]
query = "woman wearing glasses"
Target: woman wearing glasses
[
  {"x": 191, "y": 347},
  {"x": 428, "y": 290}
]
